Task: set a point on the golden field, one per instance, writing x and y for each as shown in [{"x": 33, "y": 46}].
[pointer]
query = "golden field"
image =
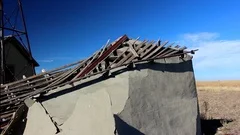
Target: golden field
[
  {"x": 219, "y": 85},
  {"x": 220, "y": 100}
]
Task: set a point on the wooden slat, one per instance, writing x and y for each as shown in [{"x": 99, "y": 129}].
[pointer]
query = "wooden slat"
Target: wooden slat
[
  {"x": 175, "y": 51},
  {"x": 102, "y": 57},
  {"x": 165, "y": 53},
  {"x": 35, "y": 81},
  {"x": 140, "y": 50},
  {"x": 147, "y": 51},
  {"x": 131, "y": 46},
  {"x": 162, "y": 51},
  {"x": 133, "y": 50},
  {"x": 40, "y": 75},
  {"x": 155, "y": 50},
  {"x": 121, "y": 55},
  {"x": 168, "y": 50},
  {"x": 121, "y": 50},
  {"x": 130, "y": 55}
]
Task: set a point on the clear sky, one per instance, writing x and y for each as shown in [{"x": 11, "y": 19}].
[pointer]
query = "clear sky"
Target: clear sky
[{"x": 64, "y": 31}]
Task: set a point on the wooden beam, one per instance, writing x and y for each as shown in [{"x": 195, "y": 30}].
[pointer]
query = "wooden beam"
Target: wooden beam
[
  {"x": 131, "y": 46},
  {"x": 148, "y": 45},
  {"x": 155, "y": 50},
  {"x": 130, "y": 55},
  {"x": 159, "y": 53},
  {"x": 121, "y": 55},
  {"x": 167, "y": 51},
  {"x": 133, "y": 50},
  {"x": 175, "y": 51},
  {"x": 148, "y": 50},
  {"x": 139, "y": 50},
  {"x": 102, "y": 57}
]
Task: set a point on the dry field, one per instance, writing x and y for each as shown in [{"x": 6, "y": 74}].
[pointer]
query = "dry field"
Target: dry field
[{"x": 221, "y": 100}]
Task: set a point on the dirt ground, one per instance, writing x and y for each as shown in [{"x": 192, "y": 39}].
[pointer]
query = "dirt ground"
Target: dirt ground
[{"x": 220, "y": 100}]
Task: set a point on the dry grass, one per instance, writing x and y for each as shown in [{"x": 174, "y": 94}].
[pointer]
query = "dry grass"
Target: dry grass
[
  {"x": 219, "y": 85},
  {"x": 221, "y": 100}
]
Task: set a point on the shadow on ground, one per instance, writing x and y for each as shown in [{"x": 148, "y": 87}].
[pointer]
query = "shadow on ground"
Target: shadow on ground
[{"x": 210, "y": 126}]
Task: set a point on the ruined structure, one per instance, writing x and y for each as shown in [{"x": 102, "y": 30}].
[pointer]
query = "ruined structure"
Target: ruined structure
[{"x": 127, "y": 87}]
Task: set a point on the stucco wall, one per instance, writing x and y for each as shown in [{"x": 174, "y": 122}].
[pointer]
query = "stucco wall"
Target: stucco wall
[{"x": 154, "y": 99}]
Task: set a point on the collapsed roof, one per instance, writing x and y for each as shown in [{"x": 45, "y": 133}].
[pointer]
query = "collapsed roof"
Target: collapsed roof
[{"x": 122, "y": 52}]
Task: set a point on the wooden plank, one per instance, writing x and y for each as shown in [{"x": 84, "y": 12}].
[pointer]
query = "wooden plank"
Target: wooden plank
[
  {"x": 133, "y": 50},
  {"x": 157, "y": 49},
  {"x": 122, "y": 54},
  {"x": 104, "y": 48},
  {"x": 131, "y": 46},
  {"x": 102, "y": 57},
  {"x": 139, "y": 50},
  {"x": 162, "y": 51},
  {"x": 54, "y": 81},
  {"x": 121, "y": 50},
  {"x": 130, "y": 54},
  {"x": 90, "y": 62},
  {"x": 15, "y": 118},
  {"x": 175, "y": 51},
  {"x": 147, "y": 51},
  {"x": 39, "y": 75},
  {"x": 35, "y": 81},
  {"x": 166, "y": 52}
]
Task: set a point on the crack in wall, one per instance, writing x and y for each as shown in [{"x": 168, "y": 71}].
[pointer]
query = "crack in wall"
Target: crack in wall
[{"x": 54, "y": 123}]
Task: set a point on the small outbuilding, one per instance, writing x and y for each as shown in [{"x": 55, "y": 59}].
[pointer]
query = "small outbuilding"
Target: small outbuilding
[{"x": 18, "y": 60}]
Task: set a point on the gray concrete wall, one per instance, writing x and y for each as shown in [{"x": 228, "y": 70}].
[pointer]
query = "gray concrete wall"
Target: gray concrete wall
[
  {"x": 20, "y": 63},
  {"x": 153, "y": 99},
  {"x": 162, "y": 100}
]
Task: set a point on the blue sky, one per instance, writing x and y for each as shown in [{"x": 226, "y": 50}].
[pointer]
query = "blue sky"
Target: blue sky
[{"x": 62, "y": 32}]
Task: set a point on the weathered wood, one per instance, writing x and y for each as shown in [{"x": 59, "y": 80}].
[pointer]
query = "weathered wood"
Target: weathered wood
[
  {"x": 133, "y": 51},
  {"x": 139, "y": 50},
  {"x": 175, "y": 51},
  {"x": 129, "y": 55},
  {"x": 162, "y": 51},
  {"x": 15, "y": 117},
  {"x": 103, "y": 57},
  {"x": 168, "y": 50},
  {"x": 121, "y": 55},
  {"x": 41, "y": 74},
  {"x": 131, "y": 46},
  {"x": 156, "y": 50},
  {"x": 35, "y": 81},
  {"x": 148, "y": 51}
]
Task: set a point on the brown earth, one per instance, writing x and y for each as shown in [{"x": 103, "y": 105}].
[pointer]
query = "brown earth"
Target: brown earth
[{"x": 220, "y": 100}]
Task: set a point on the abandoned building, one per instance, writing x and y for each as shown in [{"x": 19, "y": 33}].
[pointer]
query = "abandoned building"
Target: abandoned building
[
  {"x": 18, "y": 61},
  {"x": 128, "y": 87}
]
